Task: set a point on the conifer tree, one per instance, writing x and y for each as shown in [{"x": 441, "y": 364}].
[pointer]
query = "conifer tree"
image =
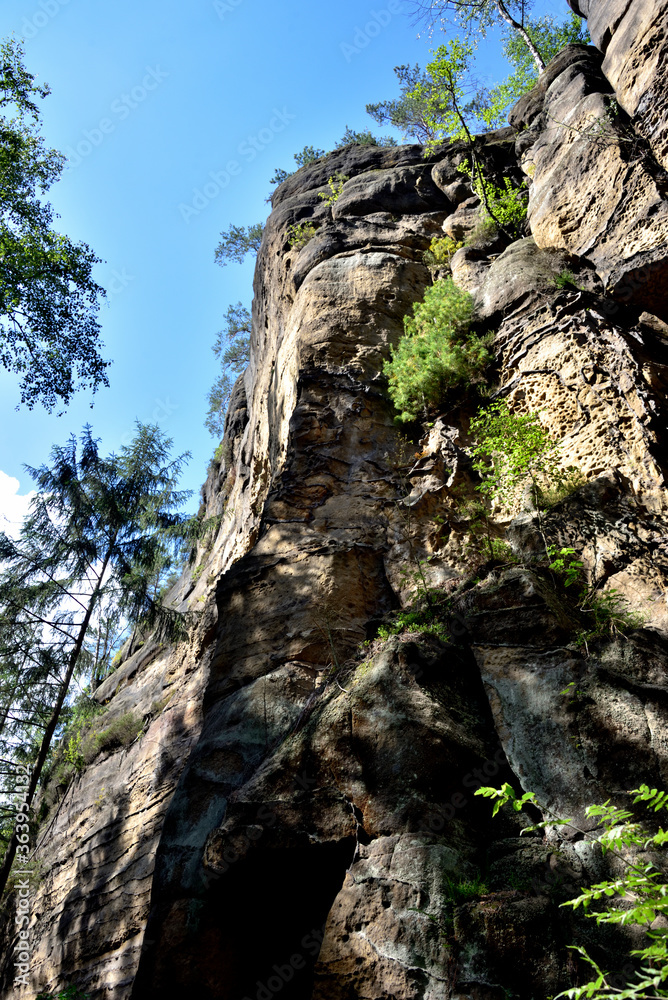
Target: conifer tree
[
  {"x": 96, "y": 530},
  {"x": 408, "y": 113},
  {"x": 237, "y": 241},
  {"x": 232, "y": 348}
]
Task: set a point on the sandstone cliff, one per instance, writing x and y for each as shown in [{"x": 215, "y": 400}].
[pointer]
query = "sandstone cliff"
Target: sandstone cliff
[{"x": 299, "y": 812}]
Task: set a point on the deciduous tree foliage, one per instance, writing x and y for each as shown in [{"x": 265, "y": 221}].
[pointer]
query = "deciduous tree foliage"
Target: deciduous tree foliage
[
  {"x": 636, "y": 896},
  {"x": 511, "y": 450},
  {"x": 451, "y": 108},
  {"x": 97, "y": 529},
  {"x": 425, "y": 112},
  {"x": 550, "y": 37},
  {"x": 49, "y": 334},
  {"x": 448, "y": 96},
  {"x": 478, "y": 16}
]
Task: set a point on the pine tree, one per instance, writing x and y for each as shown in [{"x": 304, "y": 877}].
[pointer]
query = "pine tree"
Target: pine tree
[
  {"x": 408, "y": 113},
  {"x": 232, "y": 348},
  {"x": 238, "y": 241},
  {"x": 97, "y": 529}
]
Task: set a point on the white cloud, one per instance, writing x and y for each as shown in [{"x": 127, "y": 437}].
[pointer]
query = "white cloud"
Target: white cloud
[{"x": 13, "y": 506}]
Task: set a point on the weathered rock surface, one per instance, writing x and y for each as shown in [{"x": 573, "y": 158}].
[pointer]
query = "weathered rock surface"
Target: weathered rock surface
[
  {"x": 634, "y": 39},
  {"x": 298, "y": 817},
  {"x": 597, "y": 189},
  {"x": 97, "y": 847}
]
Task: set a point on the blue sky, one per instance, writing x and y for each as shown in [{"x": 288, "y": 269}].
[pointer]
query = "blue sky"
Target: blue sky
[{"x": 152, "y": 101}]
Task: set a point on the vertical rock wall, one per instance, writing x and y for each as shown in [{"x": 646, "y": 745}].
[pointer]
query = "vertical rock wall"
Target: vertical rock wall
[
  {"x": 633, "y": 37},
  {"x": 299, "y": 817}
]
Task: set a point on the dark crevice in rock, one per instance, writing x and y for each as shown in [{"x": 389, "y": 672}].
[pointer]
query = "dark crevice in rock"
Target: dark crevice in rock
[{"x": 260, "y": 928}]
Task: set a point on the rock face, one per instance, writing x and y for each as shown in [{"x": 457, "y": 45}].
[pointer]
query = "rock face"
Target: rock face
[
  {"x": 299, "y": 816},
  {"x": 633, "y": 39},
  {"x": 97, "y": 846},
  {"x": 597, "y": 188}
]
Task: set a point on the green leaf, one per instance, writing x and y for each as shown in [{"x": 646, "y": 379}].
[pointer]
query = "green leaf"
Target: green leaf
[
  {"x": 49, "y": 302},
  {"x": 437, "y": 352}
]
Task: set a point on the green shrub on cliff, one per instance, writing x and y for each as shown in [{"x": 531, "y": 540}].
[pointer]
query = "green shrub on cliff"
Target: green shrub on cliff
[
  {"x": 503, "y": 205},
  {"x": 512, "y": 453},
  {"x": 309, "y": 154},
  {"x": 518, "y": 461},
  {"x": 120, "y": 733},
  {"x": 363, "y": 138},
  {"x": 85, "y": 738},
  {"x": 69, "y": 993},
  {"x": 335, "y": 183},
  {"x": 437, "y": 351},
  {"x": 610, "y": 614},
  {"x": 299, "y": 233},
  {"x": 76, "y": 738},
  {"x": 441, "y": 251}
]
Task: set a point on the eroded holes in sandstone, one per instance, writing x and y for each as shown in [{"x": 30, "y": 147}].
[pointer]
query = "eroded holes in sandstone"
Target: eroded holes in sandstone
[{"x": 263, "y": 912}]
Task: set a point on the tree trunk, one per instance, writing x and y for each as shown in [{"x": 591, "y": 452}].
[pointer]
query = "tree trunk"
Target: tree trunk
[
  {"x": 509, "y": 19},
  {"x": 476, "y": 170}
]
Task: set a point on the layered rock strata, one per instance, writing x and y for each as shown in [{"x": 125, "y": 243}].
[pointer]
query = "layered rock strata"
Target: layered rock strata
[
  {"x": 633, "y": 37},
  {"x": 300, "y": 809}
]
